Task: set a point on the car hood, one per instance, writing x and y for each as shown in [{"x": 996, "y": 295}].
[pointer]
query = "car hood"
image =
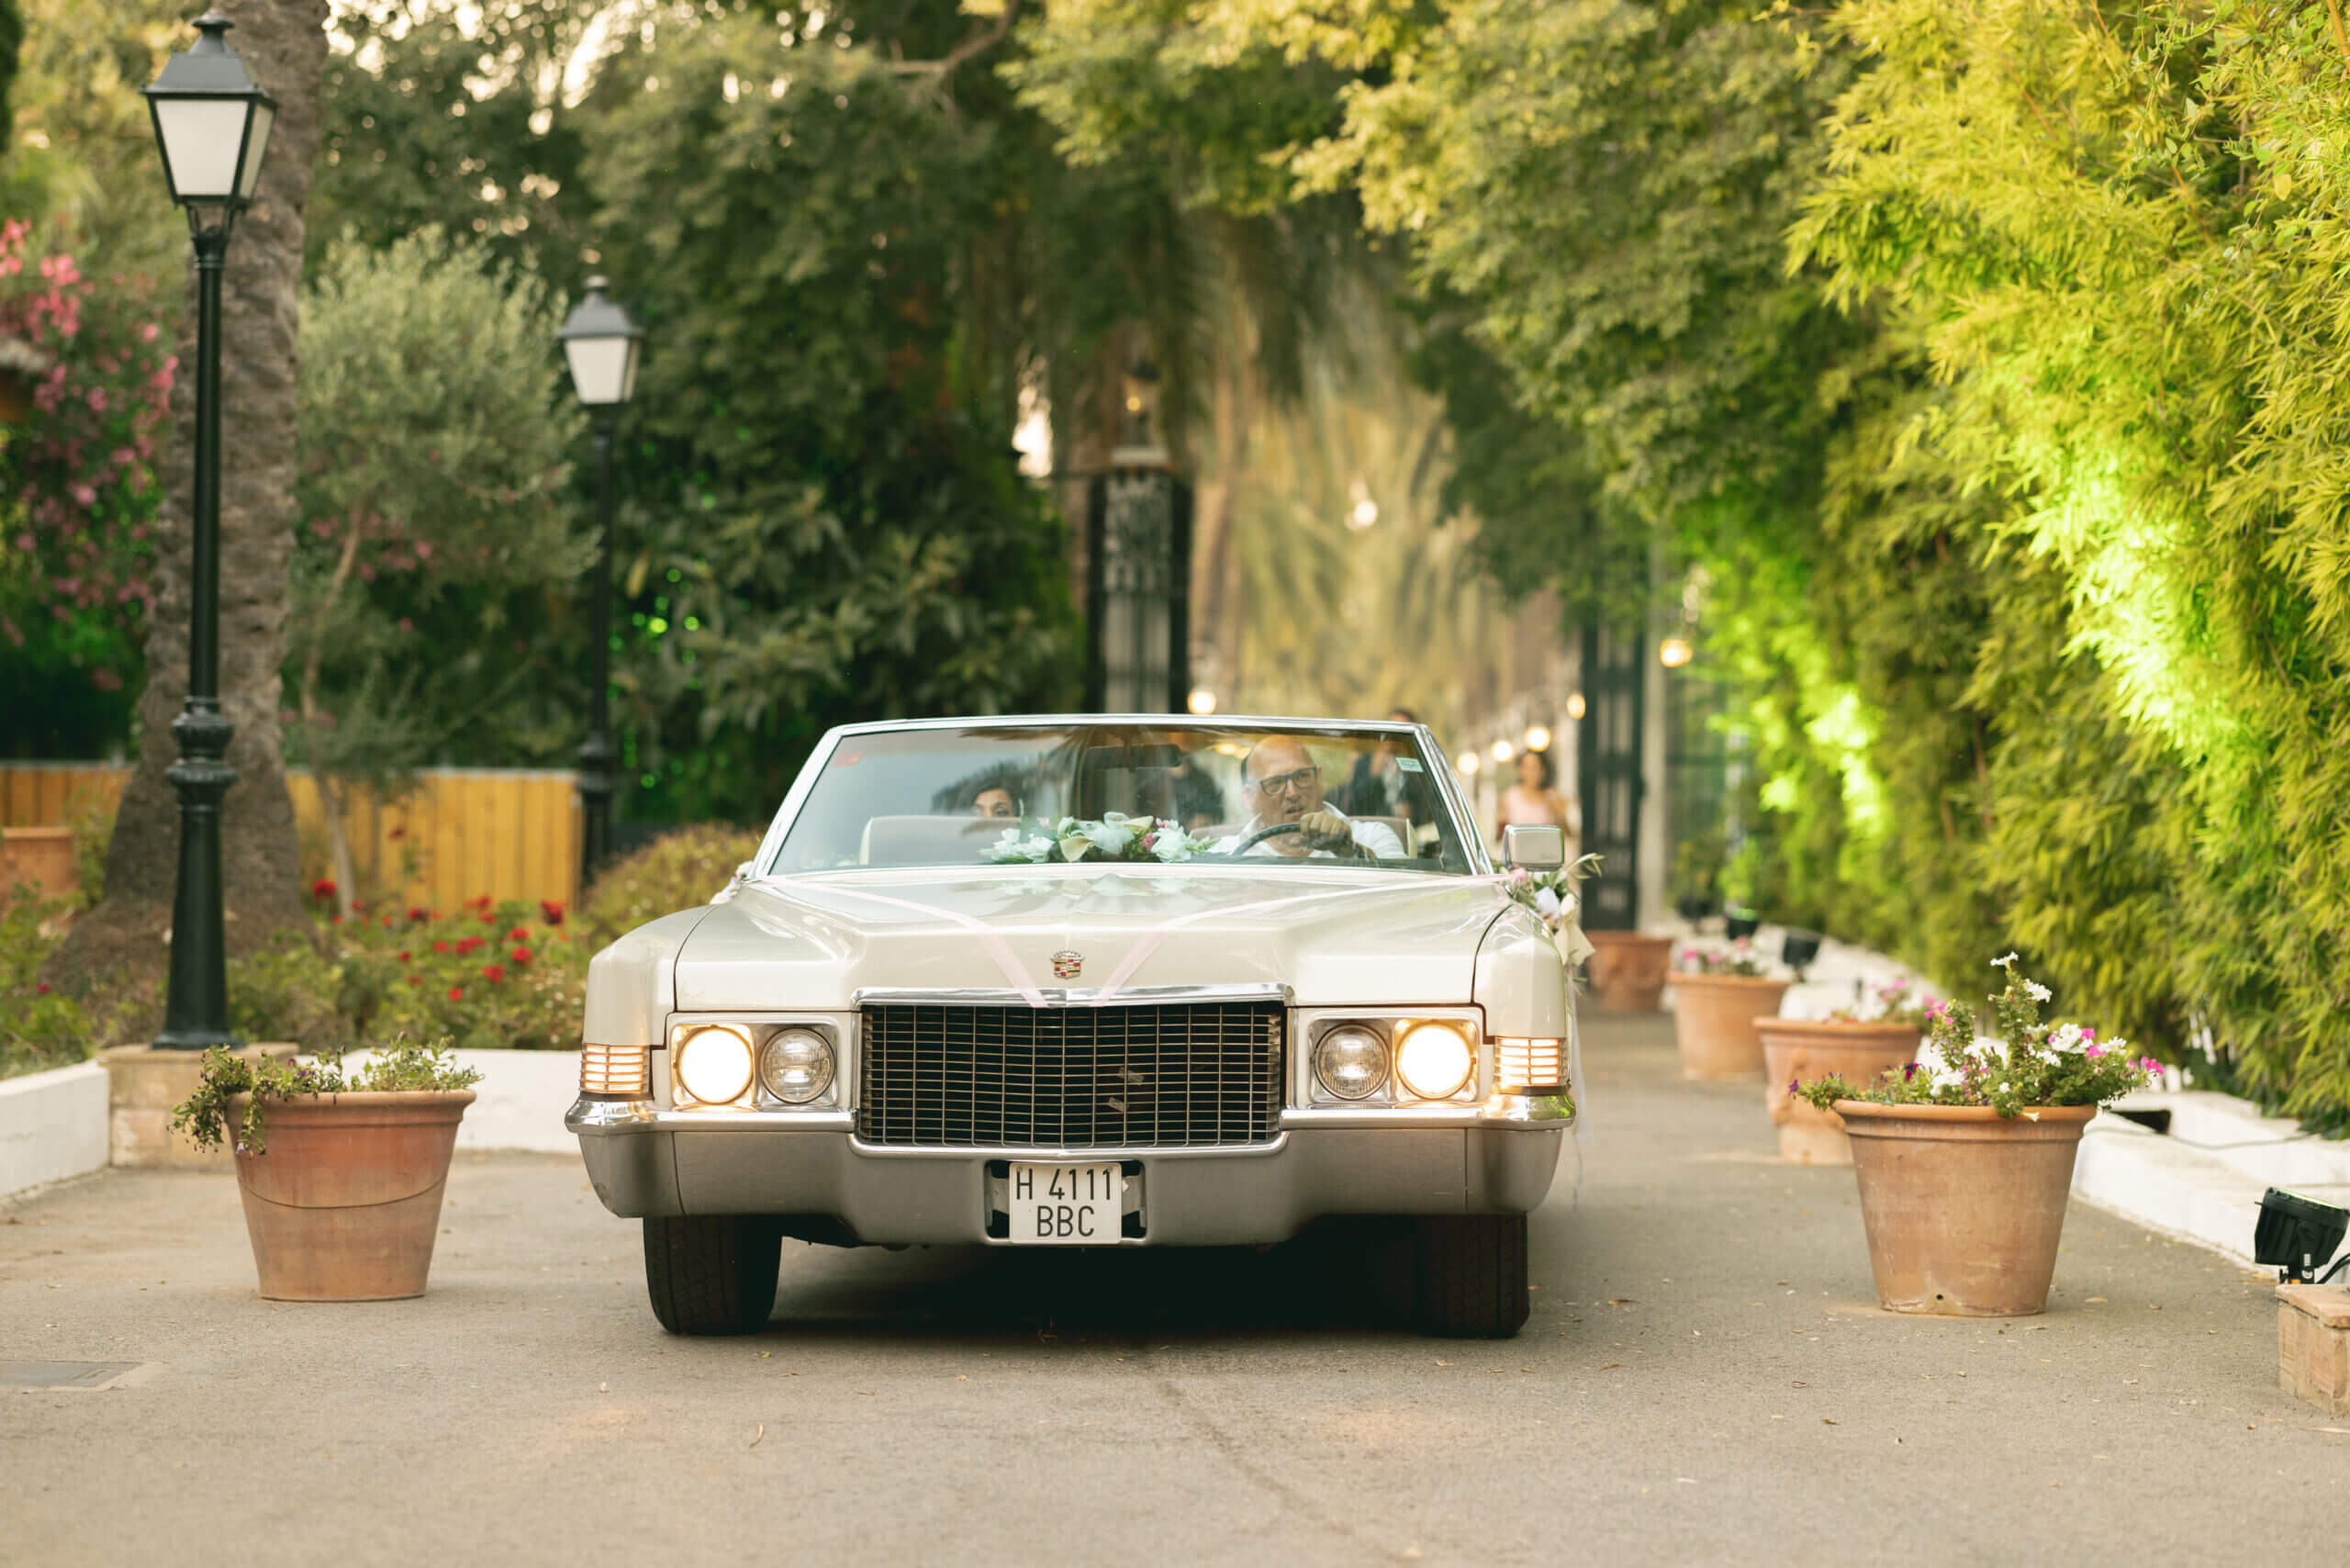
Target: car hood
[{"x": 1332, "y": 936}]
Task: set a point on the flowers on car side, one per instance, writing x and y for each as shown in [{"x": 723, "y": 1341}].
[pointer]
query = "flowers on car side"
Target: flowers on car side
[
  {"x": 1551, "y": 894},
  {"x": 1115, "y": 836}
]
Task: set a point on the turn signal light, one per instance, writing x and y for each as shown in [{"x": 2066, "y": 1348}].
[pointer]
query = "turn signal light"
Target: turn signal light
[
  {"x": 616, "y": 1070},
  {"x": 1530, "y": 1067}
]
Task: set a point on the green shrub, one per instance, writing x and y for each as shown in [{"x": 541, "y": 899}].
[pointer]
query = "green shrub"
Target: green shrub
[
  {"x": 675, "y": 871},
  {"x": 40, "y": 1027},
  {"x": 484, "y": 975}
]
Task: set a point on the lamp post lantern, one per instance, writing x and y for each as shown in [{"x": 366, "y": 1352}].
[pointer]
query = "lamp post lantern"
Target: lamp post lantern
[
  {"x": 599, "y": 345},
  {"x": 212, "y": 122}
]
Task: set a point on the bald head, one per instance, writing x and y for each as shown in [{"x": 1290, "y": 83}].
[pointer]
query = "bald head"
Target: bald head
[{"x": 1282, "y": 782}]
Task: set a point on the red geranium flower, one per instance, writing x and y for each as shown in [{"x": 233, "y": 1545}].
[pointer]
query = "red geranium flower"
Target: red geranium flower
[
  {"x": 520, "y": 955},
  {"x": 41, "y": 988},
  {"x": 493, "y": 973},
  {"x": 518, "y": 934},
  {"x": 416, "y": 980},
  {"x": 439, "y": 946},
  {"x": 336, "y": 921},
  {"x": 552, "y": 909},
  {"x": 418, "y": 912},
  {"x": 357, "y": 907},
  {"x": 487, "y": 918},
  {"x": 323, "y": 888},
  {"x": 481, "y": 902},
  {"x": 456, "y": 993},
  {"x": 403, "y": 955}
]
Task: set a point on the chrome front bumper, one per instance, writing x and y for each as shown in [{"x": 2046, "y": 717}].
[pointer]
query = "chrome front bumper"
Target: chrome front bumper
[{"x": 1496, "y": 1159}]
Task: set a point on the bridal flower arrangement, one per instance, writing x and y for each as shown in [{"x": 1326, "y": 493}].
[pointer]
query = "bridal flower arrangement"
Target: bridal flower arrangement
[
  {"x": 1551, "y": 894},
  {"x": 1116, "y": 838}
]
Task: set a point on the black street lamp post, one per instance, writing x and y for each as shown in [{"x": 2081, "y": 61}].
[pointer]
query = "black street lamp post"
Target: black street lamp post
[
  {"x": 599, "y": 343},
  {"x": 212, "y": 122}
]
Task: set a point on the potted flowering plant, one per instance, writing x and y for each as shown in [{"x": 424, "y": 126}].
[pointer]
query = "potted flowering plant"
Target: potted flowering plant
[
  {"x": 1719, "y": 994},
  {"x": 1965, "y": 1161},
  {"x": 1858, "y": 1043},
  {"x": 341, "y": 1175}
]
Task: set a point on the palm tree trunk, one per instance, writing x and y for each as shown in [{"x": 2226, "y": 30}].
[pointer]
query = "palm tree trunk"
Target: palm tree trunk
[{"x": 285, "y": 46}]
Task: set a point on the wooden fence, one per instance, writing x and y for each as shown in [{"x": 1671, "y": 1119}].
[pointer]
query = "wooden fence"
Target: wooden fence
[{"x": 461, "y": 833}]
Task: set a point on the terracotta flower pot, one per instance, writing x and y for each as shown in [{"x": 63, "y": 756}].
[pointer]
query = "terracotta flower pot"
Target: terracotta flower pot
[
  {"x": 1714, "y": 1018},
  {"x": 346, "y": 1201},
  {"x": 1629, "y": 970},
  {"x": 1805, "y": 1049},
  {"x": 1963, "y": 1210}
]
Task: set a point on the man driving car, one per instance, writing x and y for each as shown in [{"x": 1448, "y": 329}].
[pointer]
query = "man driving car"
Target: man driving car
[{"x": 1282, "y": 785}]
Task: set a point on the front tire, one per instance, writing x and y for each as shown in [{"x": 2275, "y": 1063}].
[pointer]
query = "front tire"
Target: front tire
[
  {"x": 1470, "y": 1275},
  {"x": 712, "y": 1273}
]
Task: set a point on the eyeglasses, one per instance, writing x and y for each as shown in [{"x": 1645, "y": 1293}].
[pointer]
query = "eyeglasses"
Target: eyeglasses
[{"x": 1287, "y": 783}]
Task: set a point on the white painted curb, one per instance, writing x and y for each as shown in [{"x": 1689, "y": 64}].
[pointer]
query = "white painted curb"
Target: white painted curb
[
  {"x": 52, "y": 1126},
  {"x": 2203, "y": 1179}
]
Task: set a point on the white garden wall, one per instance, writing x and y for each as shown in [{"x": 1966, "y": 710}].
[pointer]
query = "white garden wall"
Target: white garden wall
[{"x": 52, "y": 1126}]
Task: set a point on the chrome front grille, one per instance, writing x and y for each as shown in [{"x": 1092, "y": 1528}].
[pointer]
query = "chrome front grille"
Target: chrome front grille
[{"x": 1188, "y": 1075}]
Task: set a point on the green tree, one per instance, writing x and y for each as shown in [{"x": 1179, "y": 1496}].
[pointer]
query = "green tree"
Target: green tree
[
  {"x": 436, "y": 519},
  {"x": 827, "y": 520}
]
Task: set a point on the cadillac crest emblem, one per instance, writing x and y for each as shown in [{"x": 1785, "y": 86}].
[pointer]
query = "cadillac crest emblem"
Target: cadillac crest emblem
[{"x": 1068, "y": 964}]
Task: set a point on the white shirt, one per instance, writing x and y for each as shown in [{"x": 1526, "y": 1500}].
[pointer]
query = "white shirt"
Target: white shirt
[{"x": 1377, "y": 837}]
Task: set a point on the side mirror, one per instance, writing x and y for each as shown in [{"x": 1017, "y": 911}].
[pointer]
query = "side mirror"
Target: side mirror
[{"x": 1534, "y": 846}]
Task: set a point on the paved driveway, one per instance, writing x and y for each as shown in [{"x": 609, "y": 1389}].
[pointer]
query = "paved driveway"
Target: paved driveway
[{"x": 1704, "y": 1379}]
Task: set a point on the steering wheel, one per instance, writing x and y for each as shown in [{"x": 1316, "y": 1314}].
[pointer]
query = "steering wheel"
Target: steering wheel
[{"x": 1272, "y": 830}]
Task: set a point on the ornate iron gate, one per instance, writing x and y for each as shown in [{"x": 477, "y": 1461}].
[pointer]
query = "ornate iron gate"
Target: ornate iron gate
[
  {"x": 1137, "y": 592},
  {"x": 1608, "y": 752}
]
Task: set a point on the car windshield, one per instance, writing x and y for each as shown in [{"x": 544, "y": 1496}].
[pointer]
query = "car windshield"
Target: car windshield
[{"x": 1033, "y": 794}]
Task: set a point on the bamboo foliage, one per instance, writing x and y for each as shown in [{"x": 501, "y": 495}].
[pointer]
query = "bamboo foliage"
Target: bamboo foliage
[{"x": 1337, "y": 615}]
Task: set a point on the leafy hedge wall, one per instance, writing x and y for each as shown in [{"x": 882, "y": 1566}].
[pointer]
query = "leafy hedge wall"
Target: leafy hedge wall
[{"x": 1986, "y": 363}]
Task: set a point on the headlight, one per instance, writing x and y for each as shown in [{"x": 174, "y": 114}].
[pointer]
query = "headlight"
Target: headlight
[
  {"x": 796, "y": 1066},
  {"x": 1351, "y": 1062},
  {"x": 715, "y": 1064},
  {"x": 1434, "y": 1061}
]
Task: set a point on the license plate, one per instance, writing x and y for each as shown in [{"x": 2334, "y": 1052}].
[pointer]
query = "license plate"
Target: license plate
[{"x": 1068, "y": 1205}]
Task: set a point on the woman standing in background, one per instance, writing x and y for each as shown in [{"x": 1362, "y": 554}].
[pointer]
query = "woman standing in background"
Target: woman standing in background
[{"x": 1535, "y": 801}]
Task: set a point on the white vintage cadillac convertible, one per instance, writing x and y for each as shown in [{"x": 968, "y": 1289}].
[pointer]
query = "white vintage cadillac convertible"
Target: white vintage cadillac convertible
[{"x": 1105, "y": 981}]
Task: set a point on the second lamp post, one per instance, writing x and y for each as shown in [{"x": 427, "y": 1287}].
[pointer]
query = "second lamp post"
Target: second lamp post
[{"x": 599, "y": 343}]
